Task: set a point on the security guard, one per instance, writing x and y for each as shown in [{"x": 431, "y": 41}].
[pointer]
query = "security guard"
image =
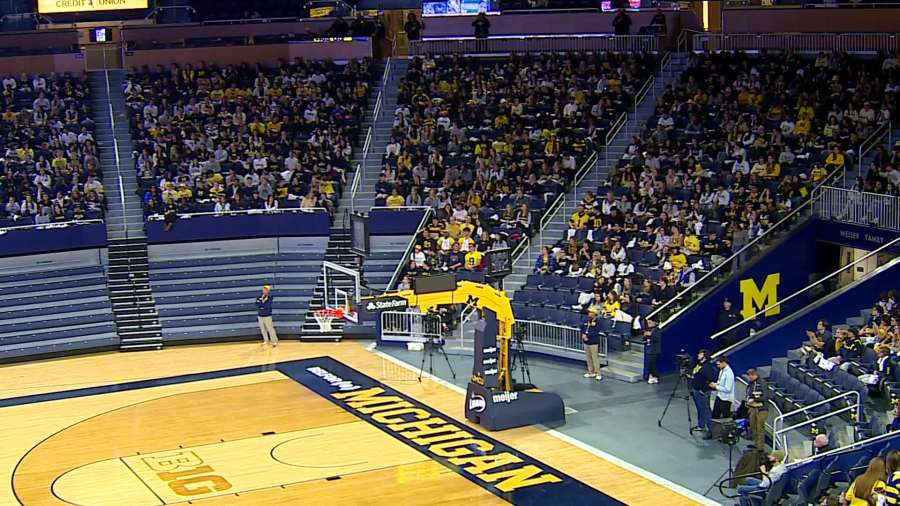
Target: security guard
[
  {"x": 590, "y": 334},
  {"x": 757, "y": 403}
]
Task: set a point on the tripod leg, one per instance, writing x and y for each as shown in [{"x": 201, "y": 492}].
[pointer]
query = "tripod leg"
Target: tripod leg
[
  {"x": 668, "y": 403},
  {"x": 687, "y": 404},
  {"x": 422, "y": 365},
  {"x": 449, "y": 365}
]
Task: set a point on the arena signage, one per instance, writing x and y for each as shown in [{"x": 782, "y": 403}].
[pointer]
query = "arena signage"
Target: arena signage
[{"x": 84, "y": 6}]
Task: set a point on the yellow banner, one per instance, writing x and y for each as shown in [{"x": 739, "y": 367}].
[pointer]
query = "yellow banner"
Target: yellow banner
[
  {"x": 56, "y": 6},
  {"x": 320, "y": 12}
]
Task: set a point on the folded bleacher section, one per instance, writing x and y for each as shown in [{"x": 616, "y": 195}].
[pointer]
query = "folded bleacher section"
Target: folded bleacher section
[
  {"x": 49, "y": 311},
  {"x": 212, "y": 297}
]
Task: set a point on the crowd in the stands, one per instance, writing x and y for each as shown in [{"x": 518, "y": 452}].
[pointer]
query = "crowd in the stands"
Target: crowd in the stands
[
  {"x": 489, "y": 143},
  {"x": 49, "y": 167},
  {"x": 222, "y": 139},
  {"x": 732, "y": 148}
]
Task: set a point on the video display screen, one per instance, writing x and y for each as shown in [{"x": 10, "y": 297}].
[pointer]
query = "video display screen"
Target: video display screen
[
  {"x": 460, "y": 7},
  {"x": 84, "y": 6}
]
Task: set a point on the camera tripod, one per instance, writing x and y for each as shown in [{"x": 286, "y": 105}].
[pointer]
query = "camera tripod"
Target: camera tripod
[
  {"x": 727, "y": 476},
  {"x": 428, "y": 354},
  {"x": 520, "y": 358},
  {"x": 677, "y": 394}
]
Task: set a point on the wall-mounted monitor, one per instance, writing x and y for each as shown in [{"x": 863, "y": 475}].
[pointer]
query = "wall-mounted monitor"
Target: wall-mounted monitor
[
  {"x": 433, "y": 284},
  {"x": 101, "y": 34},
  {"x": 459, "y": 7}
]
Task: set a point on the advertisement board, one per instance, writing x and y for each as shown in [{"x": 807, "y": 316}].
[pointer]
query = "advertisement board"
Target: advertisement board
[{"x": 87, "y": 6}]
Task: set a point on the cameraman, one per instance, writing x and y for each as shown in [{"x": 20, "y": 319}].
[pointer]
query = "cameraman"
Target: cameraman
[{"x": 703, "y": 374}]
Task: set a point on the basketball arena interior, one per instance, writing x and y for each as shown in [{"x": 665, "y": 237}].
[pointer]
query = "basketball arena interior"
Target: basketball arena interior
[{"x": 444, "y": 252}]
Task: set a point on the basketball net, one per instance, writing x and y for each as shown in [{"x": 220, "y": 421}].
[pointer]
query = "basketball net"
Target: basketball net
[{"x": 325, "y": 316}]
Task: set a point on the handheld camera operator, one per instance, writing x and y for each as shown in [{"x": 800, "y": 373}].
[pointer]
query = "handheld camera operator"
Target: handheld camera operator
[
  {"x": 264, "y": 316},
  {"x": 703, "y": 374},
  {"x": 757, "y": 403}
]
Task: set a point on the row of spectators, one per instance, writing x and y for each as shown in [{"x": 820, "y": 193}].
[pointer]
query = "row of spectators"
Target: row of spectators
[
  {"x": 732, "y": 148},
  {"x": 49, "y": 168},
  {"x": 489, "y": 143},
  {"x": 245, "y": 137}
]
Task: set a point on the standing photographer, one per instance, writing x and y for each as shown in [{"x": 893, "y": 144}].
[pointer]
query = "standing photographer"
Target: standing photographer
[
  {"x": 724, "y": 387},
  {"x": 702, "y": 375},
  {"x": 757, "y": 403}
]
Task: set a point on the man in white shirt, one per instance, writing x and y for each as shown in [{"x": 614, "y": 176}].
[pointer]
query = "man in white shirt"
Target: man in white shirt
[
  {"x": 570, "y": 109},
  {"x": 724, "y": 388}
]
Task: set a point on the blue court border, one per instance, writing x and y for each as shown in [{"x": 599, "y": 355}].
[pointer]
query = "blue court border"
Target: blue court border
[{"x": 568, "y": 491}]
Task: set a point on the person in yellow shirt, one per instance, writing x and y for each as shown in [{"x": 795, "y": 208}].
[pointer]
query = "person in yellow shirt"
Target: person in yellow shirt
[
  {"x": 580, "y": 217},
  {"x": 611, "y": 305},
  {"x": 818, "y": 173},
  {"x": 835, "y": 158},
  {"x": 395, "y": 199},
  {"x": 473, "y": 260},
  {"x": 802, "y": 127},
  {"x": 692, "y": 243},
  {"x": 184, "y": 192},
  {"x": 773, "y": 168},
  {"x": 677, "y": 259},
  {"x": 863, "y": 490}
]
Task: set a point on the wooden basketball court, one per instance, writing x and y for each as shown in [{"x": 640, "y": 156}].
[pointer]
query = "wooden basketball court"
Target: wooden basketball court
[{"x": 246, "y": 424}]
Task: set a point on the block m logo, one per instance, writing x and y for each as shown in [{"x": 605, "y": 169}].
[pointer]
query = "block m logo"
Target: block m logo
[{"x": 756, "y": 298}]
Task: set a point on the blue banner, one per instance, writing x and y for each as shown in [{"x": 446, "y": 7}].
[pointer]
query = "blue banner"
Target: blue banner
[
  {"x": 31, "y": 241},
  {"x": 242, "y": 226},
  {"x": 854, "y": 236}
]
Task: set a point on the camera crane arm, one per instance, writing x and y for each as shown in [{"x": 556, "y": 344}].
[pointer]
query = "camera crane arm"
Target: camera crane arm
[{"x": 478, "y": 295}]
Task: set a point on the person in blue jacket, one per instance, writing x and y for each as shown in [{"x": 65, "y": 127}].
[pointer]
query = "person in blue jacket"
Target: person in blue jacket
[{"x": 264, "y": 316}]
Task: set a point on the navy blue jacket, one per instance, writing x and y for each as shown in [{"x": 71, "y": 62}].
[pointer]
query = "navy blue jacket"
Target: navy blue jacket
[
  {"x": 592, "y": 330},
  {"x": 264, "y": 307}
]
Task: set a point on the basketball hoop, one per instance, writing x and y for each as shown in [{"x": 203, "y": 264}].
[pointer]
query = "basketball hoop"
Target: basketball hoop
[{"x": 325, "y": 316}]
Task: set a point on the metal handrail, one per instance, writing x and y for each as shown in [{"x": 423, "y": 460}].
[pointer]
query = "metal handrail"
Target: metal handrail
[
  {"x": 807, "y": 287},
  {"x": 683, "y": 37},
  {"x": 291, "y": 210},
  {"x": 779, "y": 432},
  {"x": 356, "y": 185},
  {"x": 869, "y": 144},
  {"x": 844, "y": 449},
  {"x": 112, "y": 121},
  {"x": 838, "y": 171},
  {"x": 43, "y": 226},
  {"x": 404, "y": 261}
]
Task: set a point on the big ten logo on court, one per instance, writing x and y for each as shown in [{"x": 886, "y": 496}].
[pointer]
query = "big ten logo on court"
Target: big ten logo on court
[
  {"x": 756, "y": 298},
  {"x": 186, "y": 474}
]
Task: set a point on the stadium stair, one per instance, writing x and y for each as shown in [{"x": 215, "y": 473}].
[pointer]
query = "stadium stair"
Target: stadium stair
[
  {"x": 555, "y": 227},
  {"x": 381, "y": 132},
  {"x": 338, "y": 252},
  {"x": 625, "y": 365},
  {"x": 132, "y": 301},
  {"x": 112, "y": 132}
]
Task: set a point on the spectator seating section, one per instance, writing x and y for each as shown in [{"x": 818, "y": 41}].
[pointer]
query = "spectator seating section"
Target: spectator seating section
[
  {"x": 684, "y": 201},
  {"x": 58, "y": 311},
  {"x": 47, "y": 146},
  {"x": 235, "y": 136},
  {"x": 488, "y": 153},
  {"x": 212, "y": 298}
]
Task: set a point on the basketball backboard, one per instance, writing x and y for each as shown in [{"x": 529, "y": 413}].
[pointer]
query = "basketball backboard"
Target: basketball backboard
[{"x": 342, "y": 290}]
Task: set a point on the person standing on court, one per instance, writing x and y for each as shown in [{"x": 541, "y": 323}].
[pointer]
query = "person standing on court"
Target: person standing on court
[
  {"x": 264, "y": 316},
  {"x": 724, "y": 388},
  {"x": 590, "y": 334},
  {"x": 757, "y": 403},
  {"x": 702, "y": 375},
  {"x": 652, "y": 349}
]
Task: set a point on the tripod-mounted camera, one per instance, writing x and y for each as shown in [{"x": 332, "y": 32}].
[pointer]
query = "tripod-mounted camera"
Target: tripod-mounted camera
[{"x": 433, "y": 330}]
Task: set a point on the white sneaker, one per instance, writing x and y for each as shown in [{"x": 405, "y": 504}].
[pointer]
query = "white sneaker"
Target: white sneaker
[
  {"x": 588, "y": 375},
  {"x": 598, "y": 377},
  {"x": 653, "y": 380}
]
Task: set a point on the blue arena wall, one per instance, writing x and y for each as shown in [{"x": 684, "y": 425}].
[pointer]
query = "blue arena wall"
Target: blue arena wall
[
  {"x": 210, "y": 227},
  {"x": 835, "y": 308},
  {"x": 48, "y": 240}
]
